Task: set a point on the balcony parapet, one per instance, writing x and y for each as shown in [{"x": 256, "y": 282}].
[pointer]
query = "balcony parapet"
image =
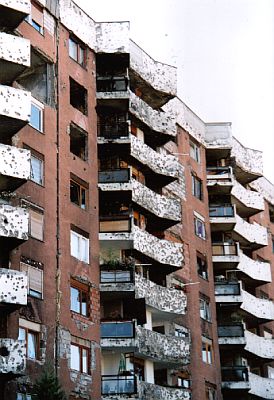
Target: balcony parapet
[
  {"x": 248, "y": 202},
  {"x": 218, "y": 135},
  {"x": 252, "y": 234},
  {"x": 258, "y": 270},
  {"x": 235, "y": 378},
  {"x": 13, "y": 287},
  {"x": 161, "y": 298},
  {"x": 161, "y": 164},
  {"x": 14, "y": 57},
  {"x": 265, "y": 187},
  {"x": 112, "y": 37},
  {"x": 14, "y": 222},
  {"x": 161, "y": 122},
  {"x": 161, "y": 206},
  {"x": 220, "y": 178},
  {"x": 222, "y": 215},
  {"x": 150, "y": 391},
  {"x": 12, "y": 12},
  {"x": 13, "y": 356},
  {"x": 249, "y": 162},
  {"x": 261, "y": 387},
  {"x": 15, "y": 167},
  {"x": 15, "y": 107},
  {"x": 226, "y": 253}
]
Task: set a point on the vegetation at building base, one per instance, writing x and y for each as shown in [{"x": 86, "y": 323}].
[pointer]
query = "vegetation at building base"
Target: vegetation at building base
[{"x": 47, "y": 386}]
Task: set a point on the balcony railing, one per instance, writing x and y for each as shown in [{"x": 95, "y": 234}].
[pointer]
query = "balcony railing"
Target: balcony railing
[
  {"x": 114, "y": 176},
  {"x": 111, "y": 84},
  {"x": 235, "y": 330},
  {"x": 116, "y": 276},
  {"x": 218, "y": 171},
  {"x": 118, "y": 384},
  {"x": 117, "y": 329},
  {"x": 235, "y": 374},
  {"x": 227, "y": 289},
  {"x": 224, "y": 249},
  {"x": 113, "y": 131},
  {"x": 115, "y": 223},
  {"x": 221, "y": 211}
]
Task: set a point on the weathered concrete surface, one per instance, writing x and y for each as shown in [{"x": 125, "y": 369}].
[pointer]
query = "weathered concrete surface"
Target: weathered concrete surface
[
  {"x": 261, "y": 387},
  {"x": 178, "y": 188},
  {"x": 260, "y": 346},
  {"x": 248, "y": 198},
  {"x": 13, "y": 286},
  {"x": 260, "y": 308},
  {"x": 14, "y": 56},
  {"x": 162, "y": 164},
  {"x": 123, "y": 95},
  {"x": 12, "y": 12},
  {"x": 15, "y": 360},
  {"x": 149, "y": 391},
  {"x": 16, "y": 5},
  {"x": 159, "y": 297},
  {"x": 265, "y": 187},
  {"x": 218, "y": 135},
  {"x": 248, "y": 160},
  {"x": 161, "y": 206},
  {"x": 112, "y": 37},
  {"x": 255, "y": 269},
  {"x": 14, "y": 222},
  {"x": 251, "y": 232},
  {"x": 220, "y": 180},
  {"x": 14, "y": 163}
]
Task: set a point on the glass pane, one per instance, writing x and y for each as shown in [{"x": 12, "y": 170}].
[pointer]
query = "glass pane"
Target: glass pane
[
  {"x": 84, "y": 310},
  {"x": 75, "y": 300},
  {"x": 19, "y": 396},
  {"x": 22, "y": 334},
  {"x": 36, "y": 170},
  {"x": 73, "y": 49},
  {"x": 31, "y": 351},
  {"x": 85, "y": 250},
  {"x": 204, "y": 357},
  {"x": 35, "y": 117},
  {"x": 75, "y": 357},
  {"x": 85, "y": 361},
  {"x": 74, "y": 244},
  {"x": 81, "y": 56}
]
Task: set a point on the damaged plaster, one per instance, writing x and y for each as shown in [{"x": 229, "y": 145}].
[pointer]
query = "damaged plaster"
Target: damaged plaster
[
  {"x": 14, "y": 222},
  {"x": 13, "y": 286}
]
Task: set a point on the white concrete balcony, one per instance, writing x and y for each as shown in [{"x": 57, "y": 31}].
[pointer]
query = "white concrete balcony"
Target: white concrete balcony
[
  {"x": 14, "y": 57},
  {"x": 218, "y": 136},
  {"x": 161, "y": 164},
  {"x": 250, "y": 234},
  {"x": 157, "y": 81},
  {"x": 247, "y": 201},
  {"x": 166, "y": 300},
  {"x": 12, "y": 12},
  {"x": 222, "y": 217},
  {"x": 219, "y": 179},
  {"x": 226, "y": 253},
  {"x": 112, "y": 37},
  {"x": 15, "y": 108},
  {"x": 115, "y": 180},
  {"x": 161, "y": 122},
  {"x": 12, "y": 356},
  {"x": 257, "y": 270},
  {"x": 13, "y": 287},
  {"x": 149, "y": 391},
  {"x": 15, "y": 167},
  {"x": 14, "y": 222},
  {"x": 161, "y": 206},
  {"x": 261, "y": 387},
  {"x": 249, "y": 162}
]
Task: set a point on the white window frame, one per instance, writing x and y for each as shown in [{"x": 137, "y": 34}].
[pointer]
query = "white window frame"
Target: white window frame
[
  {"x": 41, "y": 174},
  {"x": 28, "y": 268},
  {"x": 194, "y": 152},
  {"x": 40, "y": 106},
  {"x": 205, "y": 309},
  {"x": 82, "y": 252},
  {"x": 197, "y": 222}
]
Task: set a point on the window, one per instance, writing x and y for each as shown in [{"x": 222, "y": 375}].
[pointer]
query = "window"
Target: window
[
  {"x": 197, "y": 187},
  {"x": 194, "y": 152},
  {"x": 205, "y": 312},
  {"x": 78, "y": 194},
  {"x": 271, "y": 212},
  {"x": 77, "y": 51},
  {"x": 79, "y": 246},
  {"x": 202, "y": 266},
  {"x": 36, "y": 223},
  {"x": 78, "y": 142},
  {"x": 36, "y": 116},
  {"x": 79, "y": 298},
  {"x": 79, "y": 358},
  {"x": 35, "y": 280},
  {"x": 207, "y": 352},
  {"x": 272, "y": 245},
  {"x": 199, "y": 227},
  {"x": 23, "y": 396},
  {"x": 31, "y": 337},
  {"x": 78, "y": 96},
  {"x": 36, "y": 18},
  {"x": 37, "y": 169},
  {"x": 210, "y": 393}
]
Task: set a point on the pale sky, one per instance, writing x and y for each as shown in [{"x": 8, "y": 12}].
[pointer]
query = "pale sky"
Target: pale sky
[{"x": 224, "y": 52}]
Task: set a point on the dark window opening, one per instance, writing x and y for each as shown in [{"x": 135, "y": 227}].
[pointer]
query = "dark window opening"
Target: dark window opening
[
  {"x": 202, "y": 267},
  {"x": 77, "y": 51},
  {"x": 78, "y": 194},
  {"x": 271, "y": 213},
  {"x": 78, "y": 96},
  {"x": 78, "y": 142},
  {"x": 197, "y": 187}
]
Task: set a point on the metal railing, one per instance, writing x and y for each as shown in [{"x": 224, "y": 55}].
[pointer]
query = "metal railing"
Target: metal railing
[
  {"x": 226, "y": 210},
  {"x": 116, "y": 276},
  {"x": 114, "y": 176},
  {"x": 117, "y": 329},
  {"x": 224, "y": 249},
  {"x": 113, "y": 130},
  {"x": 118, "y": 384},
  {"x": 235, "y": 374},
  {"x": 231, "y": 330},
  {"x": 227, "y": 288},
  {"x": 115, "y": 223},
  {"x": 111, "y": 83},
  {"x": 218, "y": 170}
]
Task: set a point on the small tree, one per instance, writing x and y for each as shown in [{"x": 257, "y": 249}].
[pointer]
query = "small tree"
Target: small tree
[{"x": 47, "y": 387}]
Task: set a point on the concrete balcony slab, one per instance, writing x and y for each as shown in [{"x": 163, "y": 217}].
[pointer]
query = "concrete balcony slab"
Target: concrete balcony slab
[
  {"x": 247, "y": 201},
  {"x": 13, "y": 287},
  {"x": 14, "y": 222},
  {"x": 15, "y": 167},
  {"x": 13, "y": 356},
  {"x": 251, "y": 235},
  {"x": 12, "y": 12}
]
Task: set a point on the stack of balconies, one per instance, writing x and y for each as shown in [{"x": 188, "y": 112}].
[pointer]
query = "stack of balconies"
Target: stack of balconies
[
  {"x": 231, "y": 167},
  {"x": 15, "y": 106},
  {"x": 141, "y": 344}
]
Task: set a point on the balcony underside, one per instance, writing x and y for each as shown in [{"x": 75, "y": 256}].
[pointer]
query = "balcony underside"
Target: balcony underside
[{"x": 12, "y": 13}]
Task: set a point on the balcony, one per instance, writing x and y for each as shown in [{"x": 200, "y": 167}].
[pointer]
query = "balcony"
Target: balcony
[
  {"x": 158, "y": 121},
  {"x": 231, "y": 334},
  {"x": 149, "y": 391},
  {"x": 219, "y": 179},
  {"x": 14, "y": 167},
  {"x": 119, "y": 279},
  {"x": 248, "y": 162},
  {"x": 113, "y": 131},
  {"x": 115, "y": 223},
  {"x": 161, "y": 206},
  {"x": 251, "y": 235},
  {"x": 112, "y": 87},
  {"x": 12, "y": 12},
  {"x": 225, "y": 253},
  {"x": 115, "y": 180},
  {"x": 120, "y": 386},
  {"x": 162, "y": 348},
  {"x": 12, "y": 356},
  {"x": 13, "y": 287},
  {"x": 222, "y": 217},
  {"x": 15, "y": 108},
  {"x": 14, "y": 222},
  {"x": 235, "y": 377},
  {"x": 166, "y": 300},
  {"x": 156, "y": 81},
  {"x": 112, "y": 37},
  {"x": 14, "y": 57},
  {"x": 247, "y": 201},
  {"x": 218, "y": 138},
  {"x": 261, "y": 387},
  {"x": 161, "y": 164},
  {"x": 257, "y": 270}
]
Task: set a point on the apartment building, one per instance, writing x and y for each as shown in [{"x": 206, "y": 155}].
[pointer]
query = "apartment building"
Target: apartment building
[{"x": 136, "y": 241}]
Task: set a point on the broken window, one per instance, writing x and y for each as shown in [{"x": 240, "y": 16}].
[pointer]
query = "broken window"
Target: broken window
[
  {"x": 205, "y": 312},
  {"x": 79, "y": 298},
  {"x": 78, "y": 194},
  {"x": 78, "y": 96},
  {"x": 78, "y": 142},
  {"x": 80, "y": 358},
  {"x": 77, "y": 51}
]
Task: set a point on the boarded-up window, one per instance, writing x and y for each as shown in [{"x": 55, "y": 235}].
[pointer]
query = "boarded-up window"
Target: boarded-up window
[{"x": 35, "y": 280}]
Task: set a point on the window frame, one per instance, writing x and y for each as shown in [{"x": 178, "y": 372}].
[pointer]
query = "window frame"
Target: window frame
[
  {"x": 81, "y": 348},
  {"x": 202, "y": 269},
  {"x": 37, "y": 341},
  {"x": 207, "y": 351},
  {"x": 40, "y": 182},
  {"x": 31, "y": 292},
  {"x": 79, "y": 47},
  {"x": 198, "y": 220},
  {"x": 194, "y": 151},
  {"x": 83, "y": 188},
  {"x": 40, "y": 212},
  {"x": 205, "y": 309},
  {"x": 82, "y": 288},
  {"x": 197, "y": 187},
  {"x": 80, "y": 255},
  {"x": 40, "y": 107}
]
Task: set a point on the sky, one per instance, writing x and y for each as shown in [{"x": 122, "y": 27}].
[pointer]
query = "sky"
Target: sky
[{"x": 224, "y": 53}]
